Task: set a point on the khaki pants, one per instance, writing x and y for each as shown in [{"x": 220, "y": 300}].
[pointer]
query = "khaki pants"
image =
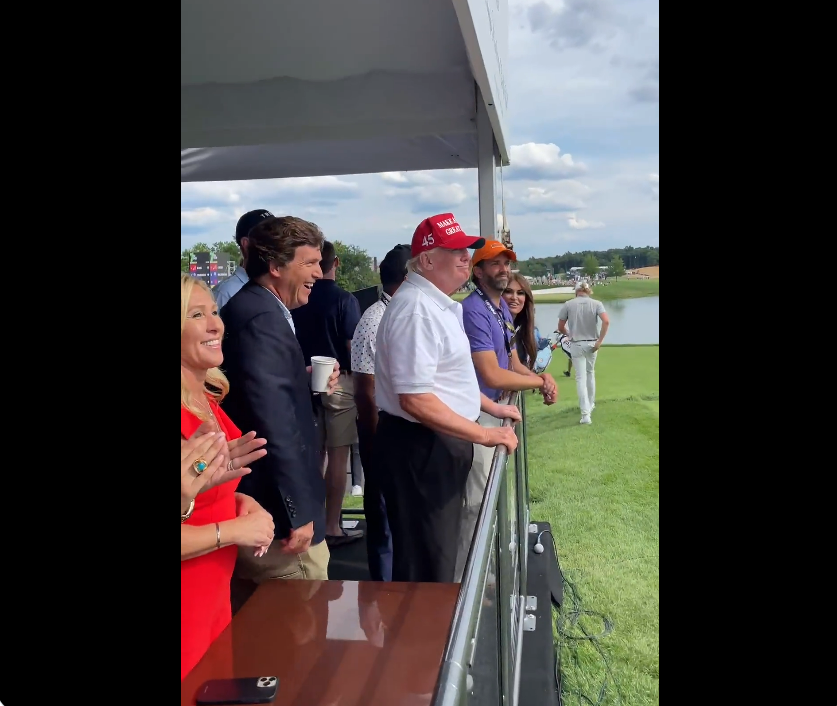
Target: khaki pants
[
  {"x": 474, "y": 493},
  {"x": 340, "y": 414},
  {"x": 250, "y": 571}
]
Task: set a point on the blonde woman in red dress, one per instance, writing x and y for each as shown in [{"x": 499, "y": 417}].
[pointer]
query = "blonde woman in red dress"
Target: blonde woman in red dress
[{"x": 217, "y": 519}]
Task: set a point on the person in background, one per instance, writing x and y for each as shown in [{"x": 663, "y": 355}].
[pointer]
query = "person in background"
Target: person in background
[
  {"x": 226, "y": 289},
  {"x": 488, "y": 324},
  {"x": 563, "y": 341},
  {"x": 270, "y": 393},
  {"x": 217, "y": 518},
  {"x": 325, "y": 326},
  {"x": 429, "y": 402},
  {"x": 583, "y": 314},
  {"x": 357, "y": 469},
  {"x": 393, "y": 270}
]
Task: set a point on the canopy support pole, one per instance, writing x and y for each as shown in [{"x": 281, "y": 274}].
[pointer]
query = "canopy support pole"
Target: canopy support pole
[{"x": 486, "y": 172}]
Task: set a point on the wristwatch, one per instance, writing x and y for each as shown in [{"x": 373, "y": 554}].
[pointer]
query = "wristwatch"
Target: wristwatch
[{"x": 188, "y": 514}]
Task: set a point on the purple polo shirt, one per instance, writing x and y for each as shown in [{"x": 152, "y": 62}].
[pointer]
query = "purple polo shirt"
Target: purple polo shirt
[{"x": 484, "y": 334}]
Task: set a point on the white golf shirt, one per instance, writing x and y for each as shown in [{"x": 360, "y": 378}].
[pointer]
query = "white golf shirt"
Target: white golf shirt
[{"x": 422, "y": 347}]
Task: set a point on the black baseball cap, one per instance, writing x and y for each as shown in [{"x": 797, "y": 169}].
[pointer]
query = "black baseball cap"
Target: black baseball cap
[
  {"x": 393, "y": 267},
  {"x": 248, "y": 220}
]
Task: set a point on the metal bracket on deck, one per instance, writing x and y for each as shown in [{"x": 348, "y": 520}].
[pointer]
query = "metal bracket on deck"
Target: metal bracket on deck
[
  {"x": 531, "y": 603},
  {"x": 529, "y": 623}
]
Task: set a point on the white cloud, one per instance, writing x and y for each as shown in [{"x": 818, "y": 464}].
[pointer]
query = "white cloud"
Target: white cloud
[
  {"x": 583, "y": 82},
  {"x": 645, "y": 94},
  {"x": 325, "y": 185},
  {"x": 580, "y": 224},
  {"x": 573, "y": 24},
  {"x": 200, "y": 217},
  {"x": 395, "y": 177},
  {"x": 426, "y": 191},
  {"x": 212, "y": 192},
  {"x": 542, "y": 161},
  {"x": 569, "y": 195},
  {"x": 246, "y": 193},
  {"x": 424, "y": 178}
]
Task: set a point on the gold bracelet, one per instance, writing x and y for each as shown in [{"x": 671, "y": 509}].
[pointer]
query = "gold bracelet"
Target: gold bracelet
[
  {"x": 217, "y": 536},
  {"x": 188, "y": 514}
]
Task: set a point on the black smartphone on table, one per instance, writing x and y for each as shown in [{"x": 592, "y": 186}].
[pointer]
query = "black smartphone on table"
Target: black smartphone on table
[{"x": 249, "y": 690}]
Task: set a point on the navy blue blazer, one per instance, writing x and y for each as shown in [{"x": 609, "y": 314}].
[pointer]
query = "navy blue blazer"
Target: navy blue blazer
[{"x": 269, "y": 393}]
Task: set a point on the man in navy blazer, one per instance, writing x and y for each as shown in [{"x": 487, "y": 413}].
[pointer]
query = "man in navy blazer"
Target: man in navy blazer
[{"x": 270, "y": 393}]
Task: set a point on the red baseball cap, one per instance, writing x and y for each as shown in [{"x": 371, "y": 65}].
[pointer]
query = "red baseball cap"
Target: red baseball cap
[{"x": 442, "y": 231}]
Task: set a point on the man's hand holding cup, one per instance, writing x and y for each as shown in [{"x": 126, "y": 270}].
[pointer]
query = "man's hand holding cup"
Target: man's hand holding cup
[{"x": 325, "y": 374}]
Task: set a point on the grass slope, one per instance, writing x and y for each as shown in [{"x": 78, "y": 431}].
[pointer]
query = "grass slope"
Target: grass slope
[{"x": 598, "y": 486}]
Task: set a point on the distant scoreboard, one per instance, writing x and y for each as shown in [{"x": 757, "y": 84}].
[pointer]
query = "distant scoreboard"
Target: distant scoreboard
[
  {"x": 211, "y": 268},
  {"x": 199, "y": 266}
]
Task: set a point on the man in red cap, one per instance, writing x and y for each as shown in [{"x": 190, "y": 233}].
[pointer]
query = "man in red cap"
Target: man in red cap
[
  {"x": 429, "y": 400},
  {"x": 490, "y": 329}
]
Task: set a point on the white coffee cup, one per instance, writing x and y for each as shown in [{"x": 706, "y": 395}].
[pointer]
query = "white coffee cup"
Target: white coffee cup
[{"x": 321, "y": 369}]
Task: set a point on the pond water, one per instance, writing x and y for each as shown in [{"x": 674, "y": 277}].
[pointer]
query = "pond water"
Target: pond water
[{"x": 631, "y": 320}]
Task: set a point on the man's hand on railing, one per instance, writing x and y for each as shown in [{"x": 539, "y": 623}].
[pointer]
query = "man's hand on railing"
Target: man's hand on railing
[
  {"x": 508, "y": 411},
  {"x": 497, "y": 436}
]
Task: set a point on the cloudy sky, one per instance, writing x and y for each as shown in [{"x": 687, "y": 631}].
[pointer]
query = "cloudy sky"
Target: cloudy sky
[{"x": 583, "y": 78}]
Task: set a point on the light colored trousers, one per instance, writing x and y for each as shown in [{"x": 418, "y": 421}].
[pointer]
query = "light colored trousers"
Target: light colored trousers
[
  {"x": 584, "y": 363},
  {"x": 474, "y": 492}
]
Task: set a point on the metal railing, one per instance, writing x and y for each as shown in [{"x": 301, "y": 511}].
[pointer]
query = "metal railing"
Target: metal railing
[{"x": 500, "y": 537}]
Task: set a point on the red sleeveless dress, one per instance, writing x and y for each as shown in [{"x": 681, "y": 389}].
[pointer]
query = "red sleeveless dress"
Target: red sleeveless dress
[{"x": 205, "y": 580}]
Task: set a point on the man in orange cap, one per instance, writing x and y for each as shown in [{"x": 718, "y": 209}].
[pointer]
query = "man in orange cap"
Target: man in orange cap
[{"x": 490, "y": 329}]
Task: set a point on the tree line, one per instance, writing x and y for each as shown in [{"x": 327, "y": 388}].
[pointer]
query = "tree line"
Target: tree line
[
  {"x": 630, "y": 256},
  {"x": 355, "y": 270}
]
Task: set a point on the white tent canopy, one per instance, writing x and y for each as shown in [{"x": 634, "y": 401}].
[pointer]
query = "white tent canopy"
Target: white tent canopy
[{"x": 272, "y": 89}]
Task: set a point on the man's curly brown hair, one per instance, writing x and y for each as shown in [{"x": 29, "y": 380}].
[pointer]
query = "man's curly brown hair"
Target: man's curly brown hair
[{"x": 275, "y": 240}]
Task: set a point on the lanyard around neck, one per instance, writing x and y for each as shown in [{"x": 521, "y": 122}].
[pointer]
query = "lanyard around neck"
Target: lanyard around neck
[{"x": 503, "y": 324}]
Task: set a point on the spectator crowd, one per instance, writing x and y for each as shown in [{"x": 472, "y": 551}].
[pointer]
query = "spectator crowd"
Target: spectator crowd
[{"x": 414, "y": 388}]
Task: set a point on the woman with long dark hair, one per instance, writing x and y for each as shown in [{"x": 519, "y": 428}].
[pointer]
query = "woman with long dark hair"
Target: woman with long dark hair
[{"x": 518, "y": 296}]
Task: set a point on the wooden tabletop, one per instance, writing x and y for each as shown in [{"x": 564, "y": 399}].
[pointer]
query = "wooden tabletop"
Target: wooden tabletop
[{"x": 335, "y": 643}]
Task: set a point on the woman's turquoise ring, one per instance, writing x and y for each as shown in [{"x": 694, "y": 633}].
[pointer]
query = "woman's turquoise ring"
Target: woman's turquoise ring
[{"x": 199, "y": 466}]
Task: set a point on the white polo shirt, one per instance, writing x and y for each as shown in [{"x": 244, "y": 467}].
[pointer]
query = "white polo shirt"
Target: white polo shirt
[{"x": 422, "y": 347}]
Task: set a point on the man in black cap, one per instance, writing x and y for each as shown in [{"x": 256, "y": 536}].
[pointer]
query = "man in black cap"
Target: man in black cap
[
  {"x": 392, "y": 270},
  {"x": 226, "y": 289}
]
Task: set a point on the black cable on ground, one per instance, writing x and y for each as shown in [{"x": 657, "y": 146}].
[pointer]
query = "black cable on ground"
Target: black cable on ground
[{"x": 568, "y": 617}]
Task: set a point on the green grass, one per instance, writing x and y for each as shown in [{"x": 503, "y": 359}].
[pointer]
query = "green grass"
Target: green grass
[
  {"x": 623, "y": 289},
  {"x": 352, "y": 503},
  {"x": 598, "y": 486}
]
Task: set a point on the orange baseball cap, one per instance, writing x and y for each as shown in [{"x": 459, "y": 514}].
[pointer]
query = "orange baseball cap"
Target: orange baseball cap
[{"x": 492, "y": 248}]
